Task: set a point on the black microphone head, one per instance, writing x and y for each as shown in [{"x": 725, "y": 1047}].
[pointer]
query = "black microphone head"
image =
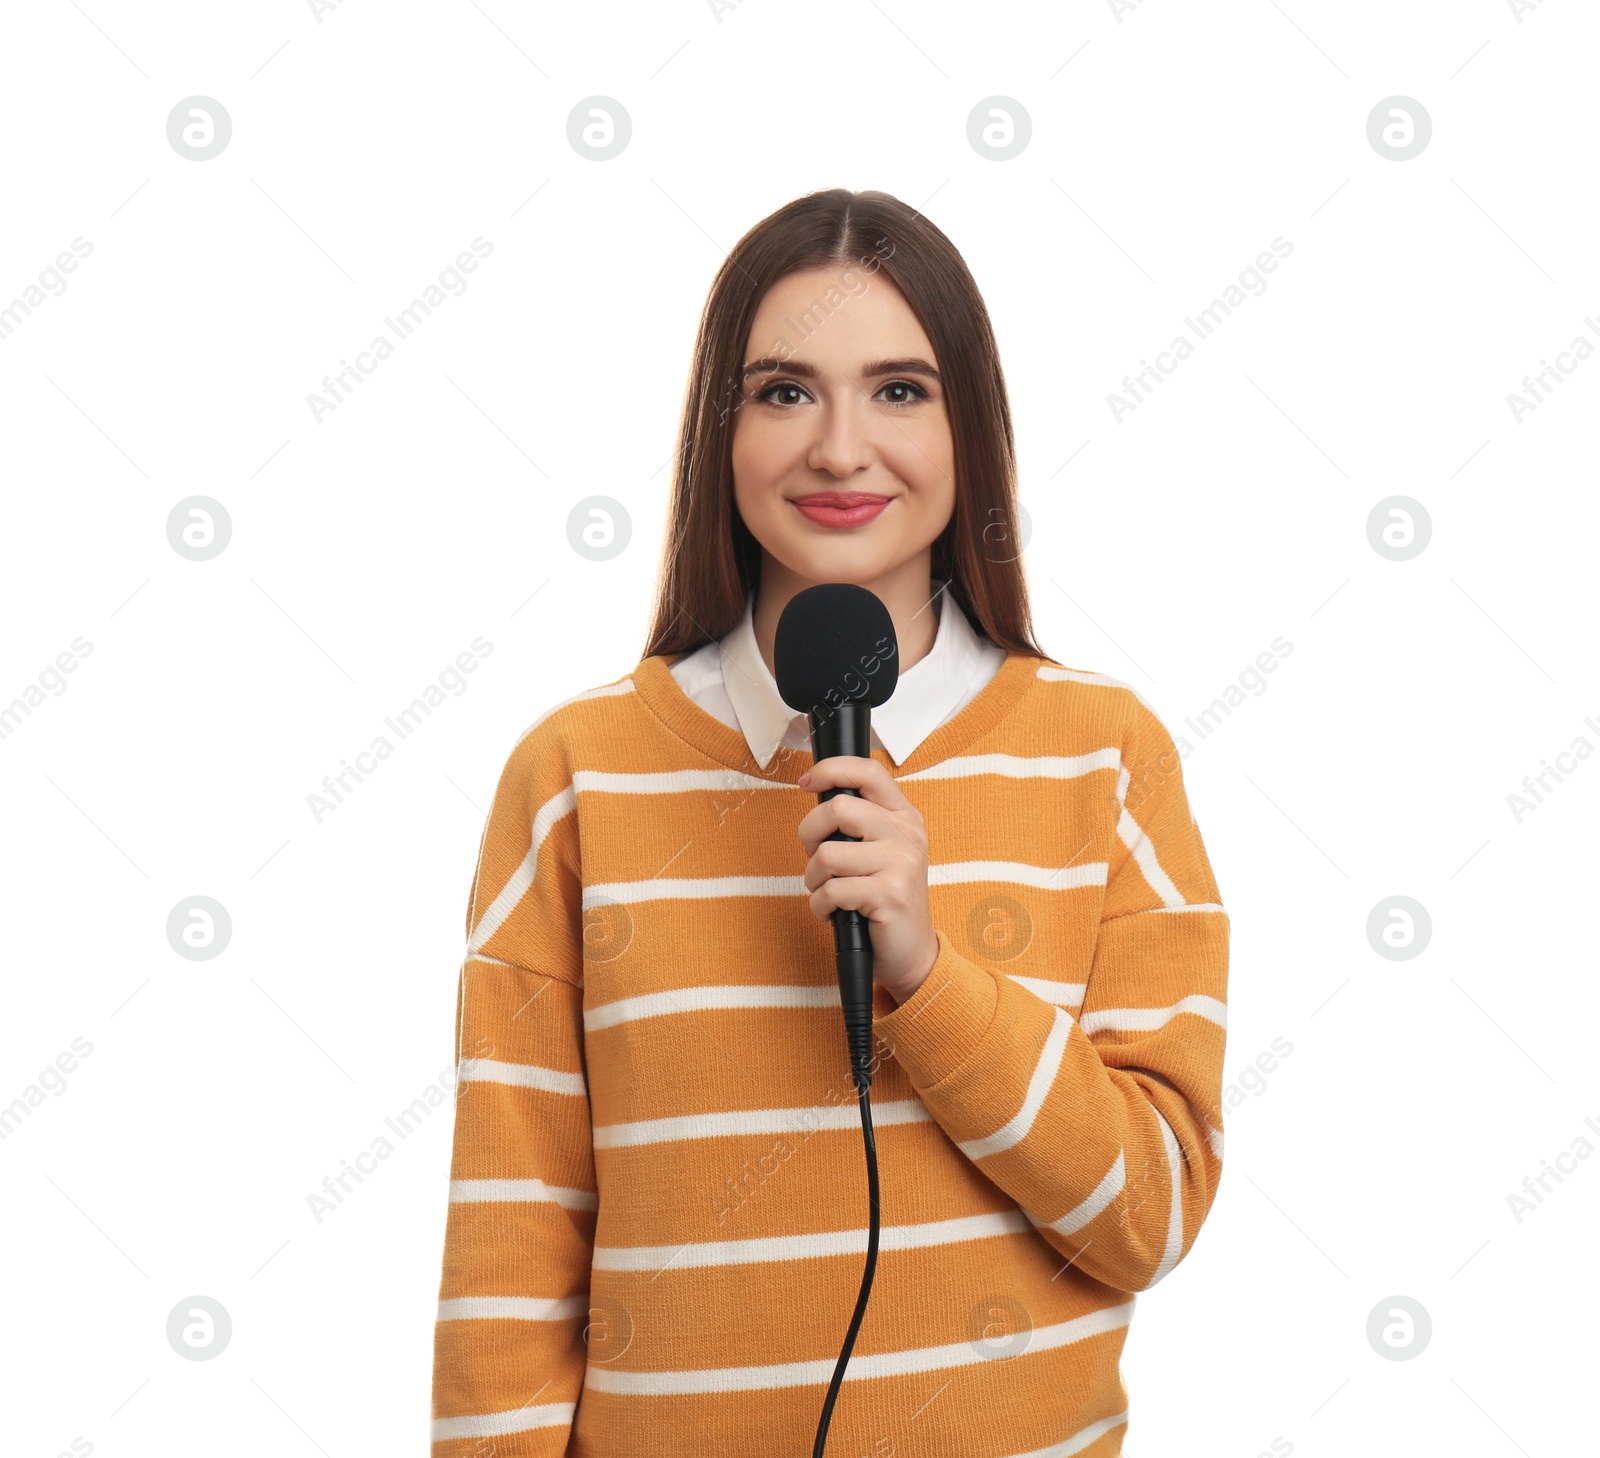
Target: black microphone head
[{"x": 835, "y": 644}]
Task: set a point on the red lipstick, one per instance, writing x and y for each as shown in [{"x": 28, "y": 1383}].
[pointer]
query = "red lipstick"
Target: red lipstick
[{"x": 841, "y": 508}]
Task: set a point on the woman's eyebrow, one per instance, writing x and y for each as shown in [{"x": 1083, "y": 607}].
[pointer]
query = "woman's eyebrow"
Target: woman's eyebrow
[
  {"x": 900, "y": 367},
  {"x": 809, "y": 372}
]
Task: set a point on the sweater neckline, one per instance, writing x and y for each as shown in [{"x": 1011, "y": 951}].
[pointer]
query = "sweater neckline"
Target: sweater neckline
[{"x": 664, "y": 696}]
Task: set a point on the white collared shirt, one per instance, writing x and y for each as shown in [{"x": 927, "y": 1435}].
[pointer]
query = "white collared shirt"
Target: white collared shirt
[{"x": 731, "y": 681}]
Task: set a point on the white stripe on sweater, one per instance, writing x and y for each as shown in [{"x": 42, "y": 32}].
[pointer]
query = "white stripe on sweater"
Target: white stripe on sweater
[
  {"x": 560, "y": 804},
  {"x": 1134, "y": 837},
  {"x": 1020, "y": 767},
  {"x": 663, "y": 888},
  {"x": 1078, "y": 1441},
  {"x": 702, "y": 999},
  {"x": 1148, "y": 1019},
  {"x": 524, "y": 1075},
  {"x": 1110, "y": 1186},
  {"x": 1066, "y": 994},
  {"x": 811, "y": 1246},
  {"x": 670, "y": 782},
  {"x": 1047, "y": 878},
  {"x": 1015, "y": 1129},
  {"x": 563, "y": 802},
  {"x": 863, "y": 1366},
  {"x": 463, "y": 1192},
  {"x": 499, "y": 1424},
  {"x": 513, "y": 1308},
  {"x": 1174, "y": 1245},
  {"x": 733, "y": 1123},
  {"x": 1051, "y": 674}
]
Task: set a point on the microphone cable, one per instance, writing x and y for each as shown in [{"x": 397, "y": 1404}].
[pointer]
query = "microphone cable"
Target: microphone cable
[{"x": 863, "y": 1077}]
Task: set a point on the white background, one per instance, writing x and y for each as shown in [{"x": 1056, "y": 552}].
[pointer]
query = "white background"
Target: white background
[{"x": 1170, "y": 145}]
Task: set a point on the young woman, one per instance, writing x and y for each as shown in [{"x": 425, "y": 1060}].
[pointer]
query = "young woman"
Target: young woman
[{"x": 658, "y": 1209}]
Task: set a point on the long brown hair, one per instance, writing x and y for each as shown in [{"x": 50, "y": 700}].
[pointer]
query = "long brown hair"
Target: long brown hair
[{"x": 710, "y": 560}]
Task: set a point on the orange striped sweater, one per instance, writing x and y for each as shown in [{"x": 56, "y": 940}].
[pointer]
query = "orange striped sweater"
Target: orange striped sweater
[{"x": 658, "y": 1208}]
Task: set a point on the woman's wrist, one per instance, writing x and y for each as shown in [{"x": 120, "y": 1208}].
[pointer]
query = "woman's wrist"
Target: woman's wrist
[{"x": 903, "y": 992}]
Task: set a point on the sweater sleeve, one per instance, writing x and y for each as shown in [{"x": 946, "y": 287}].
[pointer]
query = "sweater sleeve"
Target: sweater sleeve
[
  {"x": 509, "y": 1344},
  {"x": 1106, "y": 1127}
]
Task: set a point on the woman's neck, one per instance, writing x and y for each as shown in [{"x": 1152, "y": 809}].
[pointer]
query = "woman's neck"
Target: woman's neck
[{"x": 907, "y": 592}]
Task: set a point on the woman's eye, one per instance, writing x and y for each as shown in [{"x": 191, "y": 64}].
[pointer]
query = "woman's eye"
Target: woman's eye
[
  {"x": 909, "y": 392},
  {"x": 785, "y": 391}
]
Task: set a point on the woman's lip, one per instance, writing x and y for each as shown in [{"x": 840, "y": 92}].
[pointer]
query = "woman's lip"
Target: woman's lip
[{"x": 841, "y": 508}]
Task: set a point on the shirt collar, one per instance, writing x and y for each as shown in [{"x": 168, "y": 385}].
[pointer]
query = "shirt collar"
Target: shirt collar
[{"x": 925, "y": 695}]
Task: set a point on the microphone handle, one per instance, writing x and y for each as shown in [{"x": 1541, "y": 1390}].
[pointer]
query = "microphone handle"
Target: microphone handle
[{"x": 847, "y": 729}]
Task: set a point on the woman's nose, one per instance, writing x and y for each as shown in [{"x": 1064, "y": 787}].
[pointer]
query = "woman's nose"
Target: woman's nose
[{"x": 842, "y": 445}]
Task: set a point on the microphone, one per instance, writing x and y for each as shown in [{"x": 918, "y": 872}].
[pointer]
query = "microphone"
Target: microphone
[{"x": 836, "y": 658}]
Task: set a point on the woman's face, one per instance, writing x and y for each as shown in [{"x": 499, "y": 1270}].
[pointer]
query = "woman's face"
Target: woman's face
[{"x": 843, "y": 464}]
